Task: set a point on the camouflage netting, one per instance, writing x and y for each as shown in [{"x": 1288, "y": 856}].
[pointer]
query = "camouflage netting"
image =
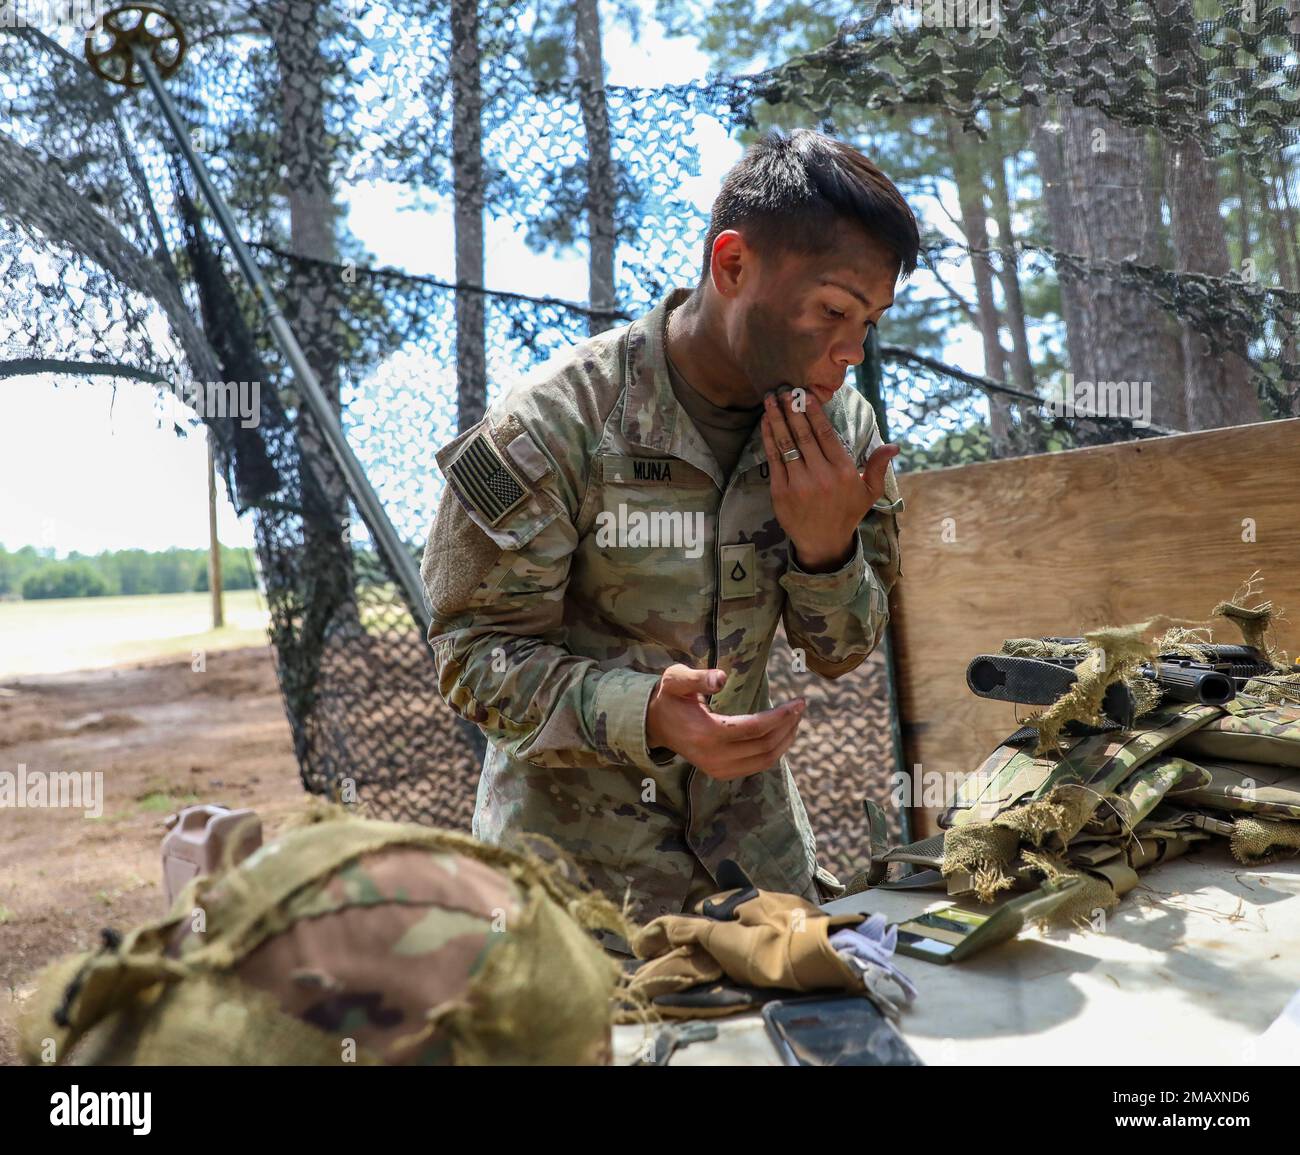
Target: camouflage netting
[{"x": 1126, "y": 210}]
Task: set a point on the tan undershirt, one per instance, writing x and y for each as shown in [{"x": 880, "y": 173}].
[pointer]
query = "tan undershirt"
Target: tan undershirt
[{"x": 726, "y": 430}]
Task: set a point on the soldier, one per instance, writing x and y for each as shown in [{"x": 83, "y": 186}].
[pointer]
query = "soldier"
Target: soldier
[{"x": 620, "y": 536}]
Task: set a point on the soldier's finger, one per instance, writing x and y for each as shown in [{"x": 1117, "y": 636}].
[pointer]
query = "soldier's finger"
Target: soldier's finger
[
  {"x": 873, "y": 471},
  {"x": 773, "y": 745},
  {"x": 765, "y": 743},
  {"x": 795, "y": 407},
  {"x": 682, "y": 681},
  {"x": 781, "y": 750},
  {"x": 831, "y": 446},
  {"x": 765, "y": 757},
  {"x": 781, "y": 433},
  {"x": 776, "y": 467},
  {"x": 742, "y": 727}
]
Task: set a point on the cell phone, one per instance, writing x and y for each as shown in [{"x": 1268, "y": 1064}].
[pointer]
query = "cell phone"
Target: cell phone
[{"x": 835, "y": 1031}]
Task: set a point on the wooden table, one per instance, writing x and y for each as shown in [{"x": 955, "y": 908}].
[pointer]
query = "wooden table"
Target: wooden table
[{"x": 1192, "y": 967}]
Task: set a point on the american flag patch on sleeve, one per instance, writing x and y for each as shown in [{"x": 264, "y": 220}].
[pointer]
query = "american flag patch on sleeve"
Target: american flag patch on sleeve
[{"x": 483, "y": 480}]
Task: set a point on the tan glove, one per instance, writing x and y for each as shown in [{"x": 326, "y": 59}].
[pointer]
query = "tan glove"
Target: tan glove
[{"x": 754, "y": 938}]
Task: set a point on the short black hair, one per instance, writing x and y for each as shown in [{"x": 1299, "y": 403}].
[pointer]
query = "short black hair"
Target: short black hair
[{"x": 786, "y": 193}]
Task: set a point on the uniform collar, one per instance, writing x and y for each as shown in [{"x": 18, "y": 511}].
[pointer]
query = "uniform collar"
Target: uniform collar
[{"x": 652, "y": 415}]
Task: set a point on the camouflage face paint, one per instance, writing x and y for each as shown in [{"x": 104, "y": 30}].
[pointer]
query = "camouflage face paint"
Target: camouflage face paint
[{"x": 777, "y": 352}]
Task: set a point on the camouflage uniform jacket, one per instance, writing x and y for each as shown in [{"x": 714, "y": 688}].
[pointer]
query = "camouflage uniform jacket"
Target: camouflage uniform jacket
[{"x": 587, "y": 540}]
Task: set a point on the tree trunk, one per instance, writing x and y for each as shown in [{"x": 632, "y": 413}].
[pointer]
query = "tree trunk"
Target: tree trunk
[
  {"x": 306, "y": 155},
  {"x": 1105, "y": 170},
  {"x": 314, "y": 306},
  {"x": 1287, "y": 260},
  {"x": 1047, "y": 135},
  {"x": 1293, "y": 236},
  {"x": 1022, "y": 370},
  {"x": 1293, "y": 242},
  {"x": 1169, "y": 404},
  {"x": 970, "y": 195},
  {"x": 1218, "y": 389},
  {"x": 467, "y": 182},
  {"x": 600, "y": 168},
  {"x": 1215, "y": 388},
  {"x": 1243, "y": 214}
]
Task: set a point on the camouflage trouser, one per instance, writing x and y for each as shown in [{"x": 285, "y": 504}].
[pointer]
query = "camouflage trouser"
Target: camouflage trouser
[{"x": 702, "y": 885}]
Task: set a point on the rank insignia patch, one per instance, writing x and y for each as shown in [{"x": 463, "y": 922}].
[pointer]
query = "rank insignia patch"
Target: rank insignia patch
[{"x": 483, "y": 480}]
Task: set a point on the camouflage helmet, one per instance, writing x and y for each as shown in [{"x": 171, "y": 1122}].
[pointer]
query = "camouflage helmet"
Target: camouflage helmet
[{"x": 349, "y": 940}]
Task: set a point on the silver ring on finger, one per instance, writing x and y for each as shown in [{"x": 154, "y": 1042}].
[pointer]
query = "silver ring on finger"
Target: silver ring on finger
[{"x": 791, "y": 454}]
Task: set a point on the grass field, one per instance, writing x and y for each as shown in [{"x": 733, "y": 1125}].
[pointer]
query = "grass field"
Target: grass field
[{"x": 47, "y": 637}]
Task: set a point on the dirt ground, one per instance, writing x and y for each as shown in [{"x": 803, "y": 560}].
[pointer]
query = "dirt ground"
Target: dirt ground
[{"x": 164, "y": 736}]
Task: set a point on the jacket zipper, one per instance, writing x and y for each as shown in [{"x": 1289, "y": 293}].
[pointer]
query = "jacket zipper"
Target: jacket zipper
[{"x": 713, "y": 639}]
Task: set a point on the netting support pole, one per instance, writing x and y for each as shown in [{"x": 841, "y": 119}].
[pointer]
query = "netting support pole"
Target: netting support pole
[
  {"x": 870, "y": 383},
  {"x": 390, "y": 545}
]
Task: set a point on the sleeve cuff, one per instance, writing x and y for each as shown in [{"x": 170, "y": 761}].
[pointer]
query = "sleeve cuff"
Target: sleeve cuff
[
  {"x": 826, "y": 591},
  {"x": 622, "y": 698}
]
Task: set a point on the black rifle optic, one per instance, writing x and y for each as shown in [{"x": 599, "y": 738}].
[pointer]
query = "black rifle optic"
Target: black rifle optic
[{"x": 1041, "y": 681}]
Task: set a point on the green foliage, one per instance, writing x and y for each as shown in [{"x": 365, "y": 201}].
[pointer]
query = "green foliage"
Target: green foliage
[
  {"x": 236, "y": 571},
  {"x": 67, "y": 579},
  {"x": 162, "y": 803},
  {"x": 15, "y": 567},
  {"x": 37, "y": 574}
]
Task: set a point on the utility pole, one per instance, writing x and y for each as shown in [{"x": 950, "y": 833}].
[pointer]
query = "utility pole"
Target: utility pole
[{"x": 214, "y": 543}]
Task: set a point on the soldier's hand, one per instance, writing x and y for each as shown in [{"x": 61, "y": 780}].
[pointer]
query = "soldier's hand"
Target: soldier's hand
[
  {"x": 819, "y": 497},
  {"x": 721, "y": 745}
]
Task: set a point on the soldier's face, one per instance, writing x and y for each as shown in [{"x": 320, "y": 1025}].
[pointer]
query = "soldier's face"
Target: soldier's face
[{"x": 801, "y": 320}]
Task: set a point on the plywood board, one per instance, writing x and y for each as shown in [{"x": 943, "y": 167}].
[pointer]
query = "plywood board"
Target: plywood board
[{"x": 1060, "y": 543}]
